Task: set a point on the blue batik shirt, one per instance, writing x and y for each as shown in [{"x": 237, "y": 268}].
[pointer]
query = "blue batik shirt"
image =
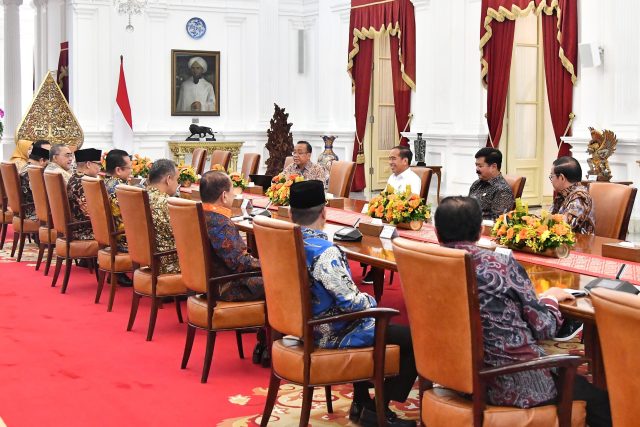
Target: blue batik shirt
[{"x": 333, "y": 292}]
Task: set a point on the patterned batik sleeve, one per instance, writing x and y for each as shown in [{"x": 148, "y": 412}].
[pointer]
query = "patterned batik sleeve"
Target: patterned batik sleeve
[
  {"x": 331, "y": 270},
  {"x": 543, "y": 320},
  {"x": 575, "y": 214},
  {"x": 229, "y": 247},
  {"x": 502, "y": 202}
]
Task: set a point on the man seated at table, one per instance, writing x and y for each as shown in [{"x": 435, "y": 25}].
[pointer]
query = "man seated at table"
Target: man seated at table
[
  {"x": 334, "y": 292},
  {"x": 491, "y": 190},
  {"x": 118, "y": 171},
  {"x": 38, "y": 157},
  {"x": 60, "y": 160},
  {"x": 87, "y": 163},
  {"x": 162, "y": 184},
  {"x": 230, "y": 253},
  {"x": 513, "y": 317},
  {"x": 302, "y": 164},
  {"x": 573, "y": 200}
]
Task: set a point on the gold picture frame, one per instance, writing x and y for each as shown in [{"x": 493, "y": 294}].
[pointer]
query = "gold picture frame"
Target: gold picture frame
[{"x": 195, "y": 74}]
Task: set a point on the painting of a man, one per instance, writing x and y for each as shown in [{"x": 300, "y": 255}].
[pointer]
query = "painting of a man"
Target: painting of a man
[{"x": 196, "y": 76}]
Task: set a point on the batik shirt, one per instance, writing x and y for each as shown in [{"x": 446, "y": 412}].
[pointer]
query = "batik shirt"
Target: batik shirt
[
  {"x": 576, "y": 205},
  {"x": 309, "y": 171},
  {"x": 333, "y": 292},
  {"x": 111, "y": 182},
  {"x": 27, "y": 195},
  {"x": 66, "y": 175},
  {"x": 159, "y": 204},
  {"x": 495, "y": 196},
  {"x": 513, "y": 320},
  {"x": 230, "y": 256},
  {"x": 78, "y": 206}
]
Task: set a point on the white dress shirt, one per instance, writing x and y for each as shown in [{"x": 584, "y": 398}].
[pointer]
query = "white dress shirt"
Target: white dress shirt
[{"x": 408, "y": 177}]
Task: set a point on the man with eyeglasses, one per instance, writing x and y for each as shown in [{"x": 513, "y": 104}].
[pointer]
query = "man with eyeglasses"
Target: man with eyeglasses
[
  {"x": 61, "y": 159},
  {"x": 87, "y": 163},
  {"x": 118, "y": 171},
  {"x": 491, "y": 190},
  {"x": 573, "y": 200},
  {"x": 302, "y": 164}
]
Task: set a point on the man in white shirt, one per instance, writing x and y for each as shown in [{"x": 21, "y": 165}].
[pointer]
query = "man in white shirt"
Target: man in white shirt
[
  {"x": 399, "y": 160},
  {"x": 196, "y": 93}
]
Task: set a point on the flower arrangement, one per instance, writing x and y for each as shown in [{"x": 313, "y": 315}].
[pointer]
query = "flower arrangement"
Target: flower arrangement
[
  {"x": 218, "y": 168},
  {"x": 396, "y": 208},
  {"x": 187, "y": 175},
  {"x": 1, "y": 117},
  {"x": 238, "y": 181},
  {"x": 140, "y": 165},
  {"x": 278, "y": 193},
  {"x": 518, "y": 229}
]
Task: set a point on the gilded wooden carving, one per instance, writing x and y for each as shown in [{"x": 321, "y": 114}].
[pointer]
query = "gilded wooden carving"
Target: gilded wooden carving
[{"x": 600, "y": 148}]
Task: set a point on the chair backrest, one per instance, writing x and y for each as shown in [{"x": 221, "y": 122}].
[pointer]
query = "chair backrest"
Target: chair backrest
[
  {"x": 516, "y": 183},
  {"x": 425, "y": 175},
  {"x": 613, "y": 204},
  {"x": 250, "y": 164},
  {"x": 341, "y": 178},
  {"x": 198, "y": 159},
  {"x": 99, "y": 209},
  {"x": 284, "y": 271},
  {"x": 39, "y": 191},
  {"x": 440, "y": 294},
  {"x": 58, "y": 202},
  {"x": 192, "y": 242},
  {"x": 138, "y": 225},
  {"x": 287, "y": 161},
  {"x": 618, "y": 320},
  {"x": 11, "y": 181},
  {"x": 220, "y": 157}
]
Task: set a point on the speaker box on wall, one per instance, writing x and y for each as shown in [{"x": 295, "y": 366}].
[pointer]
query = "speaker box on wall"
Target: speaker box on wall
[{"x": 589, "y": 55}]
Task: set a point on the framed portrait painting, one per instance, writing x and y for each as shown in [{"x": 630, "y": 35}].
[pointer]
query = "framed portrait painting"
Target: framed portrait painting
[{"x": 195, "y": 84}]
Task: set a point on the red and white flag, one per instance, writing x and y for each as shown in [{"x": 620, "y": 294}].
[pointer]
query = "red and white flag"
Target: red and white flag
[{"x": 122, "y": 122}]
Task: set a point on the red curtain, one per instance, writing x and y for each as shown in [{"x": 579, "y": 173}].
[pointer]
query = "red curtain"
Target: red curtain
[
  {"x": 398, "y": 16},
  {"x": 63, "y": 69}
]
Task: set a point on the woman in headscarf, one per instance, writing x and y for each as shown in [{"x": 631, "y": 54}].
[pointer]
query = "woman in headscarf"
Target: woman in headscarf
[{"x": 20, "y": 155}]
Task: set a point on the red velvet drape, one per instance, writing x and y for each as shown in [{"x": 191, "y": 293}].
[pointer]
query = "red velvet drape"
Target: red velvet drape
[
  {"x": 559, "y": 83},
  {"x": 398, "y": 16}
]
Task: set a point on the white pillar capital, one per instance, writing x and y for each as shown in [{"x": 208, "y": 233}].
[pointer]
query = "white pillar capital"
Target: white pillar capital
[{"x": 7, "y": 3}]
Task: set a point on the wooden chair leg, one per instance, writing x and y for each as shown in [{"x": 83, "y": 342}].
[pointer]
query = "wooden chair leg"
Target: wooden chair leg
[
  {"x": 305, "y": 412},
  {"x": 178, "y": 309},
  {"x": 49, "y": 258},
  {"x": 67, "y": 273},
  {"x": 16, "y": 237},
  {"x": 3, "y": 235},
  {"x": 135, "y": 301},
  {"x": 391, "y": 278},
  {"x": 188, "y": 345},
  {"x": 23, "y": 236},
  {"x": 101, "y": 278},
  {"x": 40, "y": 255},
  {"x": 272, "y": 394},
  {"x": 152, "y": 317},
  {"x": 379, "y": 400},
  {"x": 208, "y": 355},
  {"x": 239, "y": 344},
  {"x": 329, "y": 398},
  {"x": 96, "y": 271},
  {"x": 56, "y": 273},
  {"x": 112, "y": 291}
]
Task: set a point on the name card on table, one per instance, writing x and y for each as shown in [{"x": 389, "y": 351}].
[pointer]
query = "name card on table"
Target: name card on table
[
  {"x": 365, "y": 208},
  {"x": 370, "y": 229},
  {"x": 388, "y": 232},
  {"x": 255, "y": 189},
  {"x": 239, "y": 202},
  {"x": 502, "y": 250},
  {"x": 624, "y": 250},
  {"x": 336, "y": 202}
]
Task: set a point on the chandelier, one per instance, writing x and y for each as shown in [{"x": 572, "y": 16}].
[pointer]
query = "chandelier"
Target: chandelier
[{"x": 130, "y": 7}]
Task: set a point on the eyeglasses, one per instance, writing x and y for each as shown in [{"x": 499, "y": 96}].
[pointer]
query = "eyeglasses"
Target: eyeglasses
[
  {"x": 97, "y": 163},
  {"x": 552, "y": 175},
  {"x": 297, "y": 153},
  {"x": 68, "y": 155}
]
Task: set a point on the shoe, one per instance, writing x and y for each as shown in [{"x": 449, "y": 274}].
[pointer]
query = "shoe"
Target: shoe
[
  {"x": 82, "y": 262},
  {"x": 368, "y": 418},
  {"x": 569, "y": 330},
  {"x": 124, "y": 280},
  {"x": 368, "y": 278},
  {"x": 355, "y": 411},
  {"x": 257, "y": 353},
  {"x": 265, "y": 360}
]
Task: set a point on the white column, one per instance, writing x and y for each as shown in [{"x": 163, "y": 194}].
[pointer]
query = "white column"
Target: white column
[
  {"x": 40, "y": 56},
  {"x": 12, "y": 72}
]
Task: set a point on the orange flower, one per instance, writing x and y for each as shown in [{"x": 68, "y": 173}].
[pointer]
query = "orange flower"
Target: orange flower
[
  {"x": 510, "y": 233},
  {"x": 523, "y": 234},
  {"x": 557, "y": 217},
  {"x": 502, "y": 230},
  {"x": 560, "y": 229},
  {"x": 541, "y": 229}
]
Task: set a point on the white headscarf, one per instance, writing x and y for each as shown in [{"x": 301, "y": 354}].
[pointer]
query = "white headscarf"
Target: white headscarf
[{"x": 200, "y": 61}]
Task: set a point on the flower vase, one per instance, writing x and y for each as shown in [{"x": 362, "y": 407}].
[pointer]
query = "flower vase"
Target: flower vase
[
  {"x": 327, "y": 157},
  {"x": 411, "y": 225},
  {"x": 186, "y": 183},
  {"x": 561, "y": 251},
  {"x": 237, "y": 190}
]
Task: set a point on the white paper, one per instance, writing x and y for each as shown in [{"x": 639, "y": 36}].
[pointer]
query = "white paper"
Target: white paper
[
  {"x": 244, "y": 205},
  {"x": 387, "y": 232},
  {"x": 592, "y": 177},
  {"x": 627, "y": 244},
  {"x": 328, "y": 196},
  {"x": 251, "y": 184},
  {"x": 365, "y": 208},
  {"x": 504, "y": 251},
  {"x": 487, "y": 223},
  {"x": 376, "y": 221}
]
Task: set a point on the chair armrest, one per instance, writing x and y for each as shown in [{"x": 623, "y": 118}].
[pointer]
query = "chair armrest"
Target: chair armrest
[
  {"x": 544, "y": 362},
  {"x": 376, "y": 313},
  {"x": 235, "y": 276},
  {"x": 164, "y": 253}
]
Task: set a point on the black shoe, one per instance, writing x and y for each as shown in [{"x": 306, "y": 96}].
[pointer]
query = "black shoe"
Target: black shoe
[
  {"x": 355, "y": 411},
  {"x": 368, "y": 278},
  {"x": 83, "y": 262},
  {"x": 368, "y": 418},
  {"x": 265, "y": 360},
  {"x": 257, "y": 353},
  {"x": 570, "y": 329},
  {"x": 124, "y": 281}
]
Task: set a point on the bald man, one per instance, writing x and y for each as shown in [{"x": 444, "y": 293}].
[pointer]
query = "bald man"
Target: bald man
[{"x": 196, "y": 93}]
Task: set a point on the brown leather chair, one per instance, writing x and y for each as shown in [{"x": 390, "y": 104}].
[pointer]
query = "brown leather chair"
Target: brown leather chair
[
  {"x": 67, "y": 249},
  {"x": 440, "y": 294},
  {"x": 6, "y": 216},
  {"x": 46, "y": 234},
  {"x": 618, "y": 320},
  {"x": 287, "y": 161},
  {"x": 516, "y": 183},
  {"x": 204, "y": 311},
  {"x": 288, "y": 297},
  {"x": 198, "y": 159},
  {"x": 147, "y": 280},
  {"x": 341, "y": 178},
  {"x": 110, "y": 261},
  {"x": 21, "y": 227},
  {"x": 220, "y": 157},
  {"x": 613, "y": 204},
  {"x": 425, "y": 175},
  {"x": 250, "y": 164}
]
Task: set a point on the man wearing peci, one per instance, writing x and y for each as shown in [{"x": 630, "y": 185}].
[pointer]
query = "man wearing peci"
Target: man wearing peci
[
  {"x": 87, "y": 163},
  {"x": 196, "y": 93}
]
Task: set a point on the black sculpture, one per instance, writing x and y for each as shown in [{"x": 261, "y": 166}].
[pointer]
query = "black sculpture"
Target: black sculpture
[{"x": 202, "y": 132}]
